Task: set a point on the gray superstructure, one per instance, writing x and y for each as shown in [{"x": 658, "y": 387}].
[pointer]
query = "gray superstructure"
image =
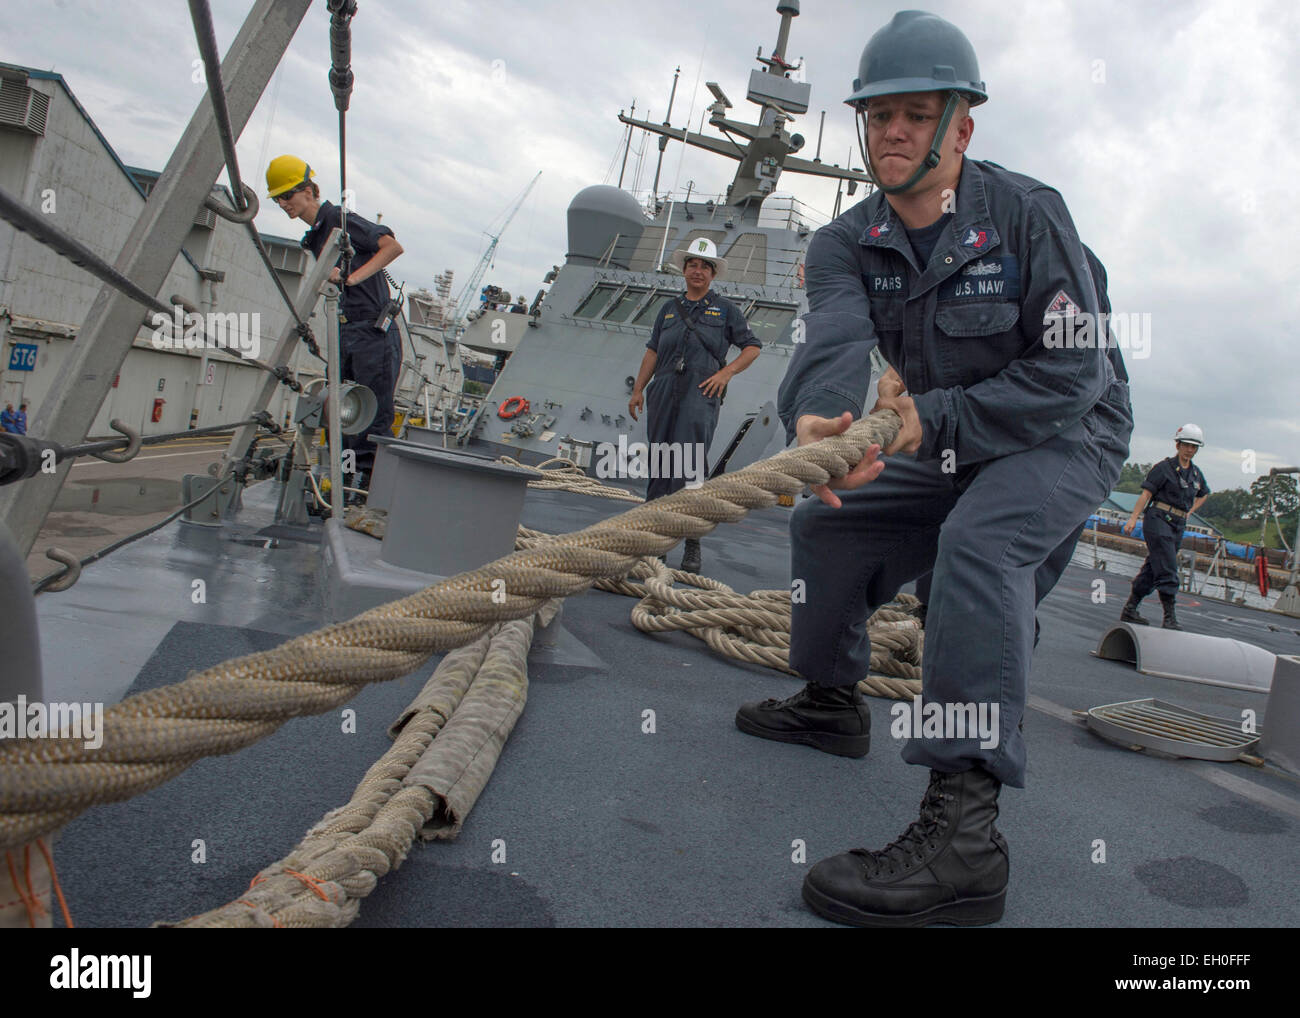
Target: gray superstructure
[{"x": 575, "y": 359}]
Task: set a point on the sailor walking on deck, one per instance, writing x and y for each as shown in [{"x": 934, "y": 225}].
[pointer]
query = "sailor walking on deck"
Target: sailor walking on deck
[
  {"x": 687, "y": 355},
  {"x": 1172, "y": 491},
  {"x": 369, "y": 352},
  {"x": 974, "y": 283}
]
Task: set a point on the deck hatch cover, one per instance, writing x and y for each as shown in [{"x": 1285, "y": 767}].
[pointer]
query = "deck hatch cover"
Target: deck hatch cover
[{"x": 1168, "y": 728}]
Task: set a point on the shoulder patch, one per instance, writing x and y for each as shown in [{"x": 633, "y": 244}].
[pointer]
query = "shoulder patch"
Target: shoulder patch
[{"x": 1062, "y": 306}]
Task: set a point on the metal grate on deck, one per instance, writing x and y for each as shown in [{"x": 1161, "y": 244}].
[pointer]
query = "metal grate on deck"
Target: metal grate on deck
[{"x": 1168, "y": 728}]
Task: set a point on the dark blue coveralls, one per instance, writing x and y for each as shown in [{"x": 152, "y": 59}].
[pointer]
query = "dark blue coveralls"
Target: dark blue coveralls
[
  {"x": 1048, "y": 573},
  {"x": 1163, "y": 530},
  {"x": 367, "y": 355},
  {"x": 676, "y": 408},
  {"x": 1037, "y": 434}
]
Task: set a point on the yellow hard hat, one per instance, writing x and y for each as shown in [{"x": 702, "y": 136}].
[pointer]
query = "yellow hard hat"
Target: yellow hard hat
[{"x": 285, "y": 173}]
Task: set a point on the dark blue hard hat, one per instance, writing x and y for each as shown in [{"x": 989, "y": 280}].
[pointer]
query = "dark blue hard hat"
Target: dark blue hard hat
[{"x": 918, "y": 52}]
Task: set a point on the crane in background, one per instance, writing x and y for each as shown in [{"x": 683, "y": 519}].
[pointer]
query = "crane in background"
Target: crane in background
[{"x": 463, "y": 302}]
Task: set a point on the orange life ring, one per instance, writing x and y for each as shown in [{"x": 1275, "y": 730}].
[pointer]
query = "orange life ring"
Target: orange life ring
[{"x": 512, "y": 407}]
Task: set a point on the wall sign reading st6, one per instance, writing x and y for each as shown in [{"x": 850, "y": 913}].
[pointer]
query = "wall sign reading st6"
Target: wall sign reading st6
[{"x": 23, "y": 357}]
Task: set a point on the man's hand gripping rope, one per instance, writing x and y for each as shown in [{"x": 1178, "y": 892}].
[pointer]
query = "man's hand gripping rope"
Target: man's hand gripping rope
[{"x": 811, "y": 428}]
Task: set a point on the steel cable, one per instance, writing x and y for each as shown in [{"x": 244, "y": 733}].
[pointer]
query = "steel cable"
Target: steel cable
[
  {"x": 23, "y": 218},
  {"x": 201, "y": 15}
]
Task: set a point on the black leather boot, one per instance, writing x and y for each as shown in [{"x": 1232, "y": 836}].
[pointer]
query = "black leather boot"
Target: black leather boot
[
  {"x": 691, "y": 556},
  {"x": 1168, "y": 602},
  {"x": 950, "y": 866},
  {"x": 833, "y": 719},
  {"x": 1130, "y": 613}
]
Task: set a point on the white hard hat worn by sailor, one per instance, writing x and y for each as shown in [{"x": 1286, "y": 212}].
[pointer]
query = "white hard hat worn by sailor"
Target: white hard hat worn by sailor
[
  {"x": 1190, "y": 434},
  {"x": 703, "y": 249}
]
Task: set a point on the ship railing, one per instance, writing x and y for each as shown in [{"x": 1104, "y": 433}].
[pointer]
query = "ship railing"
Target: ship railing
[
  {"x": 633, "y": 253},
  {"x": 779, "y": 211},
  {"x": 790, "y": 213},
  {"x": 776, "y": 271},
  {"x": 733, "y": 289},
  {"x": 592, "y": 323}
]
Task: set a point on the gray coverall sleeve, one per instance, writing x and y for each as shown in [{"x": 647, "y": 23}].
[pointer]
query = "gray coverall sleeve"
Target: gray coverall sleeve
[
  {"x": 1051, "y": 386},
  {"x": 831, "y": 369}
]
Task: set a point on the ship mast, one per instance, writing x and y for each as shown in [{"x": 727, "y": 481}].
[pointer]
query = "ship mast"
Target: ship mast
[{"x": 764, "y": 149}]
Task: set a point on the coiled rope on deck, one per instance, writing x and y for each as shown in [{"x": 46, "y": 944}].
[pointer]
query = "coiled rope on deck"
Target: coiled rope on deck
[
  {"x": 155, "y": 735},
  {"x": 755, "y": 627}
]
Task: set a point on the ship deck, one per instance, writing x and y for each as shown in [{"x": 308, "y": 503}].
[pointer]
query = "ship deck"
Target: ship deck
[{"x": 693, "y": 825}]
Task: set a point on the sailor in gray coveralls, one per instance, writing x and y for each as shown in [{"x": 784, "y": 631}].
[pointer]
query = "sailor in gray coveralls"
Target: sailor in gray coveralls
[{"x": 687, "y": 355}]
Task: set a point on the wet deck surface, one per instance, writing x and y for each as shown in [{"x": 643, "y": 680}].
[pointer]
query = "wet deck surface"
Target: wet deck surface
[
  {"x": 101, "y": 502},
  {"x": 693, "y": 825}
]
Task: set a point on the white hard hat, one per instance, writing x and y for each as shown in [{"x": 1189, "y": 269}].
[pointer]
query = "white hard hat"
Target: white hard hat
[
  {"x": 1190, "y": 434},
  {"x": 702, "y": 248}
]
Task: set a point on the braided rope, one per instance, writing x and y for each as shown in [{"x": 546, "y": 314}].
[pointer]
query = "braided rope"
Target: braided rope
[
  {"x": 321, "y": 882},
  {"x": 155, "y": 735},
  {"x": 756, "y": 627}
]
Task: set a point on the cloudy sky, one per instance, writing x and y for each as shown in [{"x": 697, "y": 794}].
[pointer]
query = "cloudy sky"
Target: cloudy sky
[{"x": 1170, "y": 128}]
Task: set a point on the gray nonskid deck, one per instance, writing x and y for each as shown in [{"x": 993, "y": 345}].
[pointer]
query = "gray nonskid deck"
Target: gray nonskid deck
[{"x": 695, "y": 824}]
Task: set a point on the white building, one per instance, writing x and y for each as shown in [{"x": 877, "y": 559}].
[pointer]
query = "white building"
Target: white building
[{"x": 54, "y": 160}]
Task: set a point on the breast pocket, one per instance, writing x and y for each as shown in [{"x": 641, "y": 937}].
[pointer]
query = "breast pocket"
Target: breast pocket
[
  {"x": 963, "y": 320},
  {"x": 887, "y": 319},
  {"x": 981, "y": 338}
]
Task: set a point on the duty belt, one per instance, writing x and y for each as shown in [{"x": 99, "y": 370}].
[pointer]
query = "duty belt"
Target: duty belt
[{"x": 1166, "y": 507}]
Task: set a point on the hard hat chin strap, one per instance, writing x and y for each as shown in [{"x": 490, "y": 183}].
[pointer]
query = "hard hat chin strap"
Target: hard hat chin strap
[{"x": 931, "y": 160}]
